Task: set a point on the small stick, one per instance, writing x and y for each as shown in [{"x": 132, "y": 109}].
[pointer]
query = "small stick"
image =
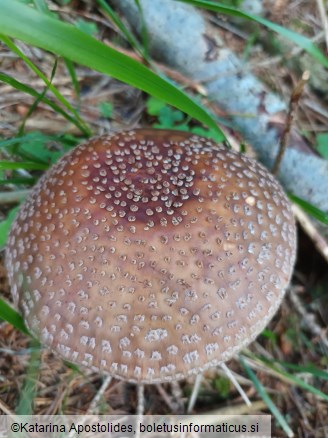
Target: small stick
[
  {"x": 141, "y": 399},
  {"x": 168, "y": 399},
  {"x": 233, "y": 380},
  {"x": 308, "y": 317},
  {"x": 308, "y": 226},
  {"x": 177, "y": 395},
  {"x": 240, "y": 409},
  {"x": 5, "y": 409},
  {"x": 293, "y": 103},
  {"x": 140, "y": 407},
  {"x": 93, "y": 405},
  {"x": 194, "y": 393},
  {"x": 176, "y": 390},
  {"x": 13, "y": 197}
]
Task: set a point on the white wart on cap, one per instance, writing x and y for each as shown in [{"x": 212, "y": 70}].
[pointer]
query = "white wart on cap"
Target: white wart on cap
[{"x": 151, "y": 255}]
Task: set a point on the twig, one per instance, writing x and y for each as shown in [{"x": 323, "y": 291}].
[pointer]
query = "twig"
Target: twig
[
  {"x": 307, "y": 225},
  {"x": 301, "y": 406},
  {"x": 241, "y": 409},
  {"x": 174, "y": 405},
  {"x": 295, "y": 51},
  {"x": 93, "y": 407},
  {"x": 233, "y": 380},
  {"x": 195, "y": 391},
  {"x": 12, "y": 197},
  {"x": 293, "y": 103},
  {"x": 308, "y": 317},
  {"x": 5, "y": 409},
  {"x": 257, "y": 365},
  {"x": 177, "y": 392},
  {"x": 141, "y": 400},
  {"x": 140, "y": 407}
]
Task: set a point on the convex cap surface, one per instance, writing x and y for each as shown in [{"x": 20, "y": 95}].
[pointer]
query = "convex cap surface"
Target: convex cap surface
[{"x": 151, "y": 255}]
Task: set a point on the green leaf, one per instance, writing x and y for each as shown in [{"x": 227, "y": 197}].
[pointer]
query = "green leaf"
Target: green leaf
[
  {"x": 29, "y": 165},
  {"x": 154, "y": 106},
  {"x": 296, "y": 38},
  {"x": 32, "y": 27},
  {"x": 31, "y": 137},
  {"x": 66, "y": 140},
  {"x": 5, "y": 226},
  {"x": 7, "y": 313},
  {"x": 207, "y": 133},
  {"x": 222, "y": 385},
  {"x": 41, "y": 6},
  {"x": 18, "y": 180},
  {"x": 269, "y": 334},
  {"x": 310, "y": 209},
  {"x": 87, "y": 27},
  {"x": 106, "y": 109},
  {"x": 322, "y": 144},
  {"x": 168, "y": 117},
  {"x": 37, "y": 148}
]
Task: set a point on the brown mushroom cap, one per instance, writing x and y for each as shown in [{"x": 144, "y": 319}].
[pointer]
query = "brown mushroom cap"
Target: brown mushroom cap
[{"x": 151, "y": 255}]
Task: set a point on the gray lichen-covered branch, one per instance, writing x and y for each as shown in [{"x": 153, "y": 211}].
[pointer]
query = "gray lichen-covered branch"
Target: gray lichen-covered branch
[{"x": 180, "y": 36}]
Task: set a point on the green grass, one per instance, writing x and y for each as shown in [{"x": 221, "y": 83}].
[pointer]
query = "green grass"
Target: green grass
[
  {"x": 7, "y": 313},
  {"x": 267, "y": 399},
  {"x": 310, "y": 209},
  {"x": 296, "y": 38},
  {"x": 29, "y": 154},
  {"x": 169, "y": 118},
  {"x": 33, "y": 27}
]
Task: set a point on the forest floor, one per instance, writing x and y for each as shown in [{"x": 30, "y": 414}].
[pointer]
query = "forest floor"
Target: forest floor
[{"x": 294, "y": 347}]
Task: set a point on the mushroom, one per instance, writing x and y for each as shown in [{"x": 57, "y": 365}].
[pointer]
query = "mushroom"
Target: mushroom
[{"x": 151, "y": 255}]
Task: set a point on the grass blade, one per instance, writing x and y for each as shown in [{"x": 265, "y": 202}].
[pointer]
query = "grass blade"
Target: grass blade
[
  {"x": 71, "y": 70},
  {"x": 29, "y": 165},
  {"x": 30, "y": 387},
  {"x": 18, "y": 181},
  {"x": 295, "y": 380},
  {"x": 310, "y": 368},
  {"x": 7, "y": 313},
  {"x": 134, "y": 43},
  {"x": 22, "y": 22},
  {"x": 298, "y": 39},
  {"x": 310, "y": 209},
  {"x": 13, "y": 197},
  {"x": 29, "y": 137},
  {"x": 78, "y": 121},
  {"x": 5, "y": 226},
  {"x": 29, "y": 90},
  {"x": 36, "y": 102},
  {"x": 266, "y": 398}
]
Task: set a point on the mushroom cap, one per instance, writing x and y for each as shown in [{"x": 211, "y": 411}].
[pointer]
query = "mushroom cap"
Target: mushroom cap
[{"x": 151, "y": 255}]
